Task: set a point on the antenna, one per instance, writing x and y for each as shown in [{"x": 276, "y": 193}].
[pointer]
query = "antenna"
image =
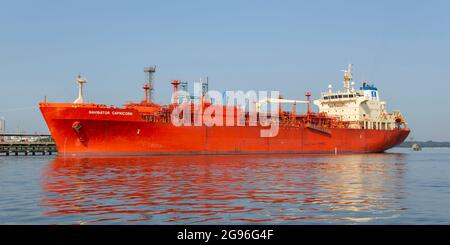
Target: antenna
[{"x": 150, "y": 71}]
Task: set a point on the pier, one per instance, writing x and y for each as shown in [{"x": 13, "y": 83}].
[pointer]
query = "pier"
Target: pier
[{"x": 26, "y": 144}]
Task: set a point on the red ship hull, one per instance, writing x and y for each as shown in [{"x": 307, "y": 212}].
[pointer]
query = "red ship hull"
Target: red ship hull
[{"x": 123, "y": 131}]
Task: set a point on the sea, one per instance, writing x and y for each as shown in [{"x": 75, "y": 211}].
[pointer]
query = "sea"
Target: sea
[{"x": 400, "y": 186}]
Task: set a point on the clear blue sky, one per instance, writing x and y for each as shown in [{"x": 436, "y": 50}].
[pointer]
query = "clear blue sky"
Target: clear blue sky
[{"x": 292, "y": 46}]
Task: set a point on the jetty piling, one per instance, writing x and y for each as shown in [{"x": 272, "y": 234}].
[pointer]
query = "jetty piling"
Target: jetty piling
[{"x": 26, "y": 144}]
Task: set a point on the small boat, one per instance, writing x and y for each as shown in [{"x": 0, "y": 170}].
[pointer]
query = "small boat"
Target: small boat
[{"x": 416, "y": 147}]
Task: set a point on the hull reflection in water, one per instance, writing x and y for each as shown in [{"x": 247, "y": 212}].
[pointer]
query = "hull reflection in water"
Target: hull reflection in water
[{"x": 277, "y": 189}]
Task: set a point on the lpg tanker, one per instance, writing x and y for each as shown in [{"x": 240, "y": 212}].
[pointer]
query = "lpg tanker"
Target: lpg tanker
[{"x": 347, "y": 121}]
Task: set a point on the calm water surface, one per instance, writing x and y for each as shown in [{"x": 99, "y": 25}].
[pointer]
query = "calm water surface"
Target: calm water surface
[{"x": 398, "y": 187}]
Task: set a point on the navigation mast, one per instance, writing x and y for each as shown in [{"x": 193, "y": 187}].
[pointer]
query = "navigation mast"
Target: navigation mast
[
  {"x": 150, "y": 71},
  {"x": 348, "y": 77}
]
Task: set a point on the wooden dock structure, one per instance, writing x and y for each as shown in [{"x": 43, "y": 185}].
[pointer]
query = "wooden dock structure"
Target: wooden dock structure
[{"x": 26, "y": 144}]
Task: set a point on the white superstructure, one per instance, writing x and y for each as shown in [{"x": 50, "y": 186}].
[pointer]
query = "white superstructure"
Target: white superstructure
[{"x": 361, "y": 108}]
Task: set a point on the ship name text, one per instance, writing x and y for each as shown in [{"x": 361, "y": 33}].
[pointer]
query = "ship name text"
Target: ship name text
[{"x": 114, "y": 113}]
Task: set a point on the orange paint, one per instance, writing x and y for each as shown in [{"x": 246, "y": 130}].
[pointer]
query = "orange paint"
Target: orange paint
[{"x": 145, "y": 128}]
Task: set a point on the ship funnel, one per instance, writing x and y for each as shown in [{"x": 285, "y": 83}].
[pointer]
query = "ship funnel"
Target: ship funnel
[{"x": 81, "y": 83}]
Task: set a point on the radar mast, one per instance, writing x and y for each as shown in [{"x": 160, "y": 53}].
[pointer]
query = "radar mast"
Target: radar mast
[{"x": 348, "y": 77}]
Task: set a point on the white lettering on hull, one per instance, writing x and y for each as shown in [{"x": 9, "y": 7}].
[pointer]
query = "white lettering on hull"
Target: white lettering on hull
[
  {"x": 114, "y": 113},
  {"x": 122, "y": 113}
]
